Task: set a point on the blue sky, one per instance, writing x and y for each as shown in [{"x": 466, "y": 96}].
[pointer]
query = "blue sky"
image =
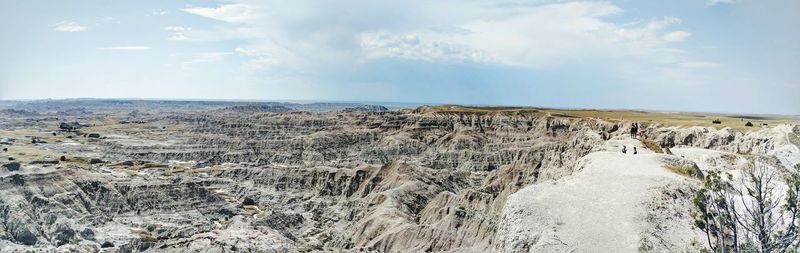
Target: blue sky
[{"x": 699, "y": 55}]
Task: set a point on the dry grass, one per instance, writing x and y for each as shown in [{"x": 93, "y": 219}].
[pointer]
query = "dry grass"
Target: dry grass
[
  {"x": 664, "y": 118},
  {"x": 688, "y": 119},
  {"x": 651, "y": 145},
  {"x": 26, "y": 153},
  {"x": 78, "y": 160},
  {"x": 685, "y": 170}
]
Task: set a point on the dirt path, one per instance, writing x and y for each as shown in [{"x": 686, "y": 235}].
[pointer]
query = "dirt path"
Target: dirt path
[{"x": 599, "y": 209}]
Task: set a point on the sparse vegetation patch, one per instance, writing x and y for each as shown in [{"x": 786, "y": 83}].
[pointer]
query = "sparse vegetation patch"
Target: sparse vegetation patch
[
  {"x": 685, "y": 170},
  {"x": 651, "y": 145}
]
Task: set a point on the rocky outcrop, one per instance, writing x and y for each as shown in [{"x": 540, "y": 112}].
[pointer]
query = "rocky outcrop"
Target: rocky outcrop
[
  {"x": 779, "y": 141},
  {"x": 50, "y": 208},
  {"x": 70, "y": 126},
  {"x": 12, "y": 166}
]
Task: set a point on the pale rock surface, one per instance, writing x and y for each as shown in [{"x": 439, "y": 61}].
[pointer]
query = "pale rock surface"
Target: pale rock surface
[{"x": 602, "y": 208}]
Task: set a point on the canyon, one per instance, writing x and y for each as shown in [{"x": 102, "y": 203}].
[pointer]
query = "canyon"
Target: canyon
[{"x": 188, "y": 176}]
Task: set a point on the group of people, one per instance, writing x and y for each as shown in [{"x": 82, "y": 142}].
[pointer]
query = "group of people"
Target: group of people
[
  {"x": 625, "y": 150},
  {"x": 635, "y": 130},
  {"x": 634, "y": 135}
]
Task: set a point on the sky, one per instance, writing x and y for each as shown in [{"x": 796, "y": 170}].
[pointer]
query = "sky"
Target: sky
[{"x": 734, "y": 56}]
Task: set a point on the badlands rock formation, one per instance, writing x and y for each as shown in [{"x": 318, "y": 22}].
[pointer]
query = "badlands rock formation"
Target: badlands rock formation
[{"x": 280, "y": 177}]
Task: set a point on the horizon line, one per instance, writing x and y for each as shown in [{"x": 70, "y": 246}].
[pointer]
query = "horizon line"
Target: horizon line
[{"x": 416, "y": 104}]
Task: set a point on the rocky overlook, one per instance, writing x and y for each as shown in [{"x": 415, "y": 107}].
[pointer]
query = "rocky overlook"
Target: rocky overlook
[{"x": 280, "y": 177}]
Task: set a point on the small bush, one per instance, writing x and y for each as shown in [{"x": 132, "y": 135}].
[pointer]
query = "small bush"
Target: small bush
[
  {"x": 716, "y": 121},
  {"x": 748, "y": 124},
  {"x": 651, "y": 145},
  {"x": 685, "y": 170}
]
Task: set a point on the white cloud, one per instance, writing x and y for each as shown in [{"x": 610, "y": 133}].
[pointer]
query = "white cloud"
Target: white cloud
[
  {"x": 318, "y": 36},
  {"x": 677, "y": 36},
  {"x": 69, "y": 26},
  {"x": 381, "y": 44},
  {"x": 178, "y": 37},
  {"x": 539, "y": 36},
  {"x": 234, "y": 13},
  {"x": 180, "y": 32},
  {"x": 126, "y": 48}
]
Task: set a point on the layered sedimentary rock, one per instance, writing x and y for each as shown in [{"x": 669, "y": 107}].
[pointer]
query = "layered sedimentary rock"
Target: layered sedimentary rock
[{"x": 273, "y": 178}]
